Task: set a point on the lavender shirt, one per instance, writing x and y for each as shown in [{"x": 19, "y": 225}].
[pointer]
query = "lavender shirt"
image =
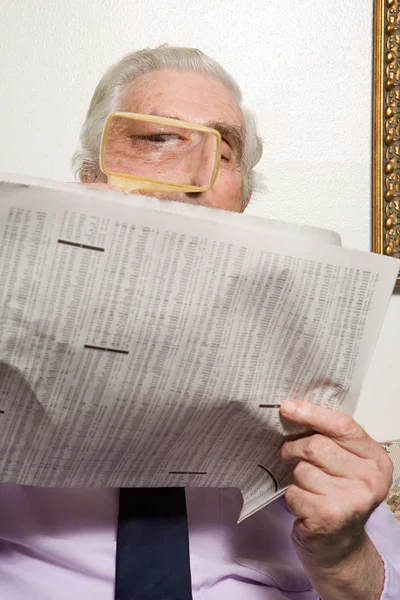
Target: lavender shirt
[{"x": 60, "y": 544}]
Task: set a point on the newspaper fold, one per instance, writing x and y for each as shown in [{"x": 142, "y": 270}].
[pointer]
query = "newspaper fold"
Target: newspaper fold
[{"x": 151, "y": 343}]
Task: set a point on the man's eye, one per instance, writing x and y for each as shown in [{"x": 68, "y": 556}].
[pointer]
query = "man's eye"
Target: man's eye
[{"x": 156, "y": 138}]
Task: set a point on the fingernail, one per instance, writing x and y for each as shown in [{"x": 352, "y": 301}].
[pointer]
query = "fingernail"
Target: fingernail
[{"x": 289, "y": 406}]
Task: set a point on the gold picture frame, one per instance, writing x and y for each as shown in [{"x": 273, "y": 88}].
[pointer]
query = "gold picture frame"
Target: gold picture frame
[{"x": 386, "y": 129}]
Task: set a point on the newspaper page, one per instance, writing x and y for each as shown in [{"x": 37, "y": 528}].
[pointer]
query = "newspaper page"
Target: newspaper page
[{"x": 151, "y": 343}]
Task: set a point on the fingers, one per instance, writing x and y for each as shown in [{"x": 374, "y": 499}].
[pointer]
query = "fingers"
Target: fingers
[
  {"x": 312, "y": 479},
  {"x": 317, "y": 514},
  {"x": 341, "y": 474},
  {"x": 325, "y": 453},
  {"x": 336, "y": 425},
  {"x": 301, "y": 503}
]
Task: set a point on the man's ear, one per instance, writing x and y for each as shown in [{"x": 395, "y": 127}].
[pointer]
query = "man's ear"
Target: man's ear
[
  {"x": 101, "y": 177},
  {"x": 90, "y": 174}
]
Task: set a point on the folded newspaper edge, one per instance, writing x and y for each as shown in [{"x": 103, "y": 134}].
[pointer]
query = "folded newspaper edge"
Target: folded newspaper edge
[{"x": 310, "y": 232}]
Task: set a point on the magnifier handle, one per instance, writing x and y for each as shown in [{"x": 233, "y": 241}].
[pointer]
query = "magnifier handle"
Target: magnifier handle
[
  {"x": 130, "y": 185},
  {"x": 125, "y": 184}
]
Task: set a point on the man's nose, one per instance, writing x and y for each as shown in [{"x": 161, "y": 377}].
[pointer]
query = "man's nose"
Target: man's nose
[{"x": 201, "y": 169}]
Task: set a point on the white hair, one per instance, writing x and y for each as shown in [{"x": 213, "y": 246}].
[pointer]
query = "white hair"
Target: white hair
[{"x": 108, "y": 92}]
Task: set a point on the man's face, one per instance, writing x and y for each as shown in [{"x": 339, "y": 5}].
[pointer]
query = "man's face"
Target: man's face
[{"x": 200, "y": 99}]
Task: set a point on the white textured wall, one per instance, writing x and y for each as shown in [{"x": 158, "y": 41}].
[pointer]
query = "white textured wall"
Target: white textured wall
[{"x": 305, "y": 67}]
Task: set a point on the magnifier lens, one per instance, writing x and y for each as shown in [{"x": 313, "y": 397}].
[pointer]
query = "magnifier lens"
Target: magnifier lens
[{"x": 155, "y": 151}]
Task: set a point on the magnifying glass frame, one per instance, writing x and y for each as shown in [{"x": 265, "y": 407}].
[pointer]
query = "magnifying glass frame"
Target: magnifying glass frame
[{"x": 131, "y": 183}]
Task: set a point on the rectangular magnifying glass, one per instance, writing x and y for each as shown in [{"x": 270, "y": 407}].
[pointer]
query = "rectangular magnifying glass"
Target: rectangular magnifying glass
[{"x": 146, "y": 152}]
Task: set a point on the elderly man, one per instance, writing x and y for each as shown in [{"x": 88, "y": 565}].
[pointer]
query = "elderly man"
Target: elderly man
[{"x": 331, "y": 536}]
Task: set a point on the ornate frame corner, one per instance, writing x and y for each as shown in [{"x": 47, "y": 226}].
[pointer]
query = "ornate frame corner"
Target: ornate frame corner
[{"x": 386, "y": 129}]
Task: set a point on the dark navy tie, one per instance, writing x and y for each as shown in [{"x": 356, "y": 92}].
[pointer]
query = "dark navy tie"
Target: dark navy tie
[{"x": 152, "y": 545}]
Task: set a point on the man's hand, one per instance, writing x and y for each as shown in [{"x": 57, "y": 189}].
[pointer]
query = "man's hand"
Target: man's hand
[{"x": 340, "y": 477}]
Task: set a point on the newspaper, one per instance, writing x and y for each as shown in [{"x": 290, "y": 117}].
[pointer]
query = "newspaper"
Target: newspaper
[{"x": 151, "y": 343}]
